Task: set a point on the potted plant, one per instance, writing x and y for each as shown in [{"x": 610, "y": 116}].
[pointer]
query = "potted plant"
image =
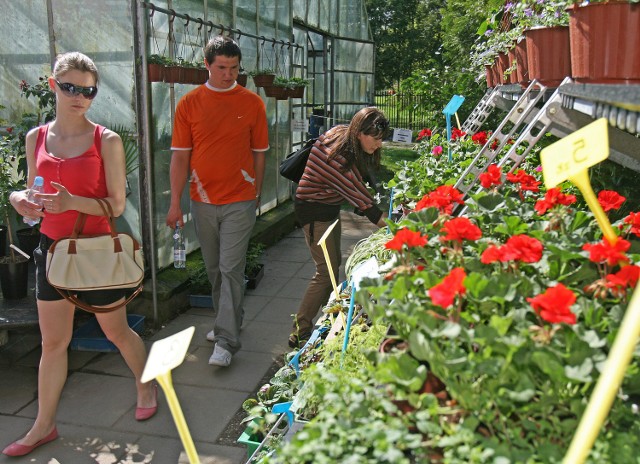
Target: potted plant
[
  {"x": 254, "y": 270},
  {"x": 14, "y": 267},
  {"x": 242, "y": 78},
  {"x": 278, "y": 89},
  {"x": 156, "y": 67},
  {"x": 298, "y": 85},
  {"x": 263, "y": 77}
]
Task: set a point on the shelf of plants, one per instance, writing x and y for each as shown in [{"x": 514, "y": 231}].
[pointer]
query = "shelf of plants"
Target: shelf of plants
[{"x": 501, "y": 320}]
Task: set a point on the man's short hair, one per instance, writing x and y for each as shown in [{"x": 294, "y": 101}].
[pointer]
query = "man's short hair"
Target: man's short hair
[{"x": 221, "y": 45}]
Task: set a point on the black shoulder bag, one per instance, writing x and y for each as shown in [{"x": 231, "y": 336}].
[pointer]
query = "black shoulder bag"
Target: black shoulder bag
[{"x": 292, "y": 167}]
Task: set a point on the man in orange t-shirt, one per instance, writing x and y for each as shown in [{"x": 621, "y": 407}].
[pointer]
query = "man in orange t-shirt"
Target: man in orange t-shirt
[{"x": 219, "y": 141}]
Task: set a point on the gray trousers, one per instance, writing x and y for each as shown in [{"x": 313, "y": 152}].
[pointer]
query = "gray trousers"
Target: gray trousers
[
  {"x": 224, "y": 232},
  {"x": 320, "y": 286}
]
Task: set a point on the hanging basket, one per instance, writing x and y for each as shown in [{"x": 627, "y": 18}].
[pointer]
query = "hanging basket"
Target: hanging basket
[
  {"x": 263, "y": 80},
  {"x": 276, "y": 91},
  {"x": 605, "y": 39},
  {"x": 242, "y": 80},
  {"x": 548, "y": 58},
  {"x": 297, "y": 92},
  {"x": 155, "y": 72},
  {"x": 173, "y": 74}
]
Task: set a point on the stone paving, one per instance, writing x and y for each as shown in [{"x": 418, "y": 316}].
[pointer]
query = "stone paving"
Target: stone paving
[{"x": 95, "y": 419}]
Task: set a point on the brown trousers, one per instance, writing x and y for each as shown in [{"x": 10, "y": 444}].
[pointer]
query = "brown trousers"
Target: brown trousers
[{"x": 320, "y": 286}]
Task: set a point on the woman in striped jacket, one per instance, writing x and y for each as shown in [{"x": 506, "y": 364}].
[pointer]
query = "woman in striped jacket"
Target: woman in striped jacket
[{"x": 333, "y": 175}]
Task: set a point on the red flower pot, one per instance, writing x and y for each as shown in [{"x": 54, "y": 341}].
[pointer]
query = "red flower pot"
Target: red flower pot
[
  {"x": 605, "y": 39},
  {"x": 502, "y": 63},
  {"x": 242, "y": 80},
  {"x": 522, "y": 67},
  {"x": 548, "y": 57},
  {"x": 156, "y": 72}
]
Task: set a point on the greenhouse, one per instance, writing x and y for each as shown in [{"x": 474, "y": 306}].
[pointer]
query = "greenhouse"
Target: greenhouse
[{"x": 485, "y": 309}]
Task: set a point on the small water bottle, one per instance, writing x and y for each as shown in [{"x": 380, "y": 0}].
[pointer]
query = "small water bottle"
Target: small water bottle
[
  {"x": 179, "y": 252},
  {"x": 37, "y": 187}
]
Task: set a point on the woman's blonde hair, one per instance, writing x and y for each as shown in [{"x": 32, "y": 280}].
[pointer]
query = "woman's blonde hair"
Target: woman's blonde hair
[{"x": 70, "y": 61}]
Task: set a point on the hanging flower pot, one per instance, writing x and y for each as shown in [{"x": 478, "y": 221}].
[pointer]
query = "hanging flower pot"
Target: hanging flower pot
[
  {"x": 242, "y": 80},
  {"x": 522, "y": 67},
  {"x": 173, "y": 74},
  {"x": 156, "y": 72},
  {"x": 548, "y": 58},
  {"x": 605, "y": 39},
  {"x": 502, "y": 63},
  {"x": 263, "y": 78}
]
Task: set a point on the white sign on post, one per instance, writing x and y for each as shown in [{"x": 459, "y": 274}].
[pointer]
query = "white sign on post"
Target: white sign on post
[
  {"x": 167, "y": 354},
  {"x": 402, "y": 135},
  {"x": 299, "y": 125}
]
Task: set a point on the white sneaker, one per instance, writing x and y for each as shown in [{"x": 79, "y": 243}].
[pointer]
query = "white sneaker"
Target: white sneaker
[
  {"x": 220, "y": 357},
  {"x": 211, "y": 336}
]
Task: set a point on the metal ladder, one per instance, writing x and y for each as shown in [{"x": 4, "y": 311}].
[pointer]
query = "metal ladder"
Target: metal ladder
[
  {"x": 530, "y": 135},
  {"x": 517, "y": 116},
  {"x": 481, "y": 112}
]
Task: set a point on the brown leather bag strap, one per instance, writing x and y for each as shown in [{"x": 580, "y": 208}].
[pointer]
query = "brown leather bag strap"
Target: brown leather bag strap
[{"x": 97, "y": 309}]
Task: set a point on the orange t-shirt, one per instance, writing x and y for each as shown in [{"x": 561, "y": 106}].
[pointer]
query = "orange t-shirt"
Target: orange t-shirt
[{"x": 221, "y": 128}]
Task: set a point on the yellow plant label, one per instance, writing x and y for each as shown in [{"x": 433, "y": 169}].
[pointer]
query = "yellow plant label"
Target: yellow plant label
[
  {"x": 323, "y": 245},
  {"x": 167, "y": 354},
  {"x": 576, "y": 152}
]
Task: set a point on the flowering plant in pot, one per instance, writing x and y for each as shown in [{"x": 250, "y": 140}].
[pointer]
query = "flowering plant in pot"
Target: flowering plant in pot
[{"x": 514, "y": 308}]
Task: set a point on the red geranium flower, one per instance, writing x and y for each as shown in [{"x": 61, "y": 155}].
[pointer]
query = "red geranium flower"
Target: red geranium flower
[
  {"x": 492, "y": 254},
  {"x": 526, "y": 181},
  {"x": 441, "y": 198},
  {"x": 610, "y": 200},
  {"x": 606, "y": 252},
  {"x": 480, "y": 138},
  {"x": 460, "y": 229},
  {"x": 494, "y": 145},
  {"x": 523, "y": 248},
  {"x": 634, "y": 220},
  {"x": 626, "y": 277},
  {"x": 493, "y": 176},
  {"x": 457, "y": 133},
  {"x": 437, "y": 150},
  {"x": 444, "y": 293},
  {"x": 554, "y": 305},
  {"x": 9, "y": 129},
  {"x": 423, "y": 133},
  {"x": 406, "y": 237},
  {"x": 553, "y": 197}
]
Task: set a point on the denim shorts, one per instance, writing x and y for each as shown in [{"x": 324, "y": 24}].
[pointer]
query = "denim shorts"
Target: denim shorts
[{"x": 45, "y": 292}]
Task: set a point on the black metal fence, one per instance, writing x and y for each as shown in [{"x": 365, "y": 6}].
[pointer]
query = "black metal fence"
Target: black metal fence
[{"x": 405, "y": 110}]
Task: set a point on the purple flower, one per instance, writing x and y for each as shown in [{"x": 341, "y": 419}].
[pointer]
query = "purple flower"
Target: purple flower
[
  {"x": 528, "y": 12},
  {"x": 508, "y": 6},
  {"x": 488, "y": 32}
]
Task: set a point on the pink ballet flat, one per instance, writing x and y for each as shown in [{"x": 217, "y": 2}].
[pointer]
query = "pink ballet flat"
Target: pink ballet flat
[
  {"x": 142, "y": 414},
  {"x": 15, "y": 449}
]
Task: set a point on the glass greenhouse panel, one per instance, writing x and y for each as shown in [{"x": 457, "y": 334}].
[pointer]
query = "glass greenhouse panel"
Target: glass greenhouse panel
[{"x": 353, "y": 56}]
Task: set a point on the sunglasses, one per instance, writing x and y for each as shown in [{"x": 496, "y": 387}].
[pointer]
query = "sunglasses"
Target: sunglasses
[{"x": 72, "y": 90}]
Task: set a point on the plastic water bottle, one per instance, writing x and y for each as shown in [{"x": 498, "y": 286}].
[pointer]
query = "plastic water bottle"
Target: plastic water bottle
[
  {"x": 179, "y": 252},
  {"x": 37, "y": 187}
]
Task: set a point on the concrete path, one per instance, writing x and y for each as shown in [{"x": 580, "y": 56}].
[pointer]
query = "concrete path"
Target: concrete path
[{"x": 95, "y": 418}]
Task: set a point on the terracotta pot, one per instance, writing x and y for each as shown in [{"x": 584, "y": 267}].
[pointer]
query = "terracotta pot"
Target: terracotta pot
[
  {"x": 522, "y": 67},
  {"x": 548, "y": 58},
  {"x": 173, "y": 74},
  {"x": 513, "y": 76},
  {"x": 297, "y": 92},
  {"x": 502, "y": 63},
  {"x": 605, "y": 39},
  {"x": 242, "y": 80},
  {"x": 488, "y": 75},
  {"x": 156, "y": 72},
  {"x": 263, "y": 80},
  {"x": 191, "y": 76},
  {"x": 275, "y": 91}
]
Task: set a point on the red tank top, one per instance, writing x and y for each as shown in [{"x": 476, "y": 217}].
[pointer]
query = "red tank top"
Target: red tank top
[{"x": 82, "y": 175}]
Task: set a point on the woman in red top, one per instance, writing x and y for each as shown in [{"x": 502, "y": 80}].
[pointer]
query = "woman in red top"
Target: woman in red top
[{"x": 79, "y": 161}]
